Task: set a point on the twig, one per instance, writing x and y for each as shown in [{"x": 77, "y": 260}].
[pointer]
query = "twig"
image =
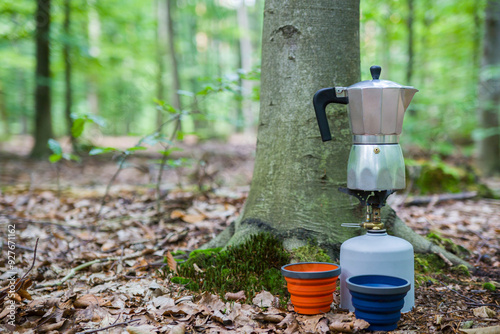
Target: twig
[
  {"x": 20, "y": 283},
  {"x": 73, "y": 271},
  {"x": 458, "y": 293},
  {"x": 108, "y": 186},
  {"x": 448, "y": 262},
  {"x": 108, "y": 327},
  {"x": 162, "y": 166}
]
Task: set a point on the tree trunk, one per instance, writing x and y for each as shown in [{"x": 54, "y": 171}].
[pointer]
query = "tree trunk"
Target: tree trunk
[
  {"x": 306, "y": 46},
  {"x": 176, "y": 86},
  {"x": 489, "y": 93},
  {"x": 68, "y": 93},
  {"x": 161, "y": 31},
  {"x": 409, "y": 69},
  {"x": 4, "y": 115},
  {"x": 94, "y": 35},
  {"x": 245, "y": 117},
  {"x": 43, "y": 119}
]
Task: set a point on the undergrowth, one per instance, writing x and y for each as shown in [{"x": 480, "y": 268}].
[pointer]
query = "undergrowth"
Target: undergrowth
[{"x": 252, "y": 266}]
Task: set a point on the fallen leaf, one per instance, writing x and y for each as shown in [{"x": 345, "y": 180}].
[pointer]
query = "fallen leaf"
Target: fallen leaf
[
  {"x": 360, "y": 324},
  {"x": 483, "y": 330},
  {"x": 322, "y": 326},
  {"x": 86, "y": 300},
  {"x": 178, "y": 329},
  {"x": 172, "y": 264},
  {"x": 175, "y": 214},
  {"x": 263, "y": 299},
  {"x": 287, "y": 322},
  {"x": 212, "y": 302},
  {"x": 338, "y": 326},
  {"x": 142, "y": 329},
  {"x": 484, "y": 312},
  {"x": 192, "y": 219},
  {"x": 236, "y": 296},
  {"x": 276, "y": 318},
  {"x": 50, "y": 327},
  {"x": 222, "y": 318}
]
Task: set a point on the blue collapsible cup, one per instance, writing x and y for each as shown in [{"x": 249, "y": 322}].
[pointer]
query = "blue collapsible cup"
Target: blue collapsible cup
[{"x": 378, "y": 299}]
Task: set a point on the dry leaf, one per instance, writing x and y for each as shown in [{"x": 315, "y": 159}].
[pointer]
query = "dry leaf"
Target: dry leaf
[
  {"x": 86, "y": 300},
  {"x": 483, "y": 330},
  {"x": 177, "y": 214},
  {"x": 360, "y": 324},
  {"x": 484, "y": 312},
  {"x": 285, "y": 323},
  {"x": 237, "y": 296},
  {"x": 172, "y": 264},
  {"x": 263, "y": 299},
  {"x": 192, "y": 219},
  {"x": 322, "y": 326},
  {"x": 50, "y": 327},
  {"x": 338, "y": 326},
  {"x": 143, "y": 329},
  {"x": 276, "y": 318},
  {"x": 222, "y": 318},
  {"x": 178, "y": 329}
]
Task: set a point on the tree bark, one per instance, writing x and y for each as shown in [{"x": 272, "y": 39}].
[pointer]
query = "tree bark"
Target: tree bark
[
  {"x": 161, "y": 31},
  {"x": 409, "y": 69},
  {"x": 305, "y": 46},
  {"x": 176, "y": 86},
  {"x": 68, "y": 93},
  {"x": 43, "y": 118},
  {"x": 245, "y": 116},
  {"x": 489, "y": 93}
]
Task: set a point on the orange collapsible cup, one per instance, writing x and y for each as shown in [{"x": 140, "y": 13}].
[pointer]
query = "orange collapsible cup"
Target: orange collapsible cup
[{"x": 311, "y": 285}]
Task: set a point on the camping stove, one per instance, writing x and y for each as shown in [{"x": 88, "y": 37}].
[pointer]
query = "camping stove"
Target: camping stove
[{"x": 375, "y": 170}]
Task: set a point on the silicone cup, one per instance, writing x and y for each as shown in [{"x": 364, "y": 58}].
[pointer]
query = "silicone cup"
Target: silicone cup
[
  {"x": 311, "y": 285},
  {"x": 378, "y": 299}
]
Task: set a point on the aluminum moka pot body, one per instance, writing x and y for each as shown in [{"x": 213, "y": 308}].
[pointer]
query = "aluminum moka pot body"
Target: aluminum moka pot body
[{"x": 376, "y": 112}]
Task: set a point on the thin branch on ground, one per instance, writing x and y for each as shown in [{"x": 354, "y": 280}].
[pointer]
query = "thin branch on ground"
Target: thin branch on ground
[
  {"x": 73, "y": 271},
  {"x": 108, "y": 327},
  {"x": 162, "y": 167}
]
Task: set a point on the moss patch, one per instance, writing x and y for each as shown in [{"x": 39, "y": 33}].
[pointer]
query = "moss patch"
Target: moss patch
[
  {"x": 310, "y": 253},
  {"x": 449, "y": 245},
  {"x": 251, "y": 266}
]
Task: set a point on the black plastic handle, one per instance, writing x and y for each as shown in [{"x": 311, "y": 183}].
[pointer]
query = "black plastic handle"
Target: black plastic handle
[{"x": 322, "y": 98}]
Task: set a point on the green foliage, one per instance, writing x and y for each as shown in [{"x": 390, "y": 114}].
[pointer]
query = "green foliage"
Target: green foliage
[
  {"x": 310, "y": 253},
  {"x": 251, "y": 266},
  {"x": 58, "y": 154},
  {"x": 437, "y": 176},
  {"x": 449, "y": 245}
]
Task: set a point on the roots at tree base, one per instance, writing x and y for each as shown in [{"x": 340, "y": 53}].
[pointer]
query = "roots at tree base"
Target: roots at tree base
[{"x": 239, "y": 231}]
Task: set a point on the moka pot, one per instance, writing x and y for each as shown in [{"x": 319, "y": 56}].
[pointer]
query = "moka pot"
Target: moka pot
[{"x": 376, "y": 111}]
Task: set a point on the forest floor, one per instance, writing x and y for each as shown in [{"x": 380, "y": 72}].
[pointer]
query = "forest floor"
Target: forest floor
[{"x": 99, "y": 264}]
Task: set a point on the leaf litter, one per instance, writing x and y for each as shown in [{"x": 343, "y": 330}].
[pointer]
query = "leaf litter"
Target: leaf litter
[{"x": 107, "y": 275}]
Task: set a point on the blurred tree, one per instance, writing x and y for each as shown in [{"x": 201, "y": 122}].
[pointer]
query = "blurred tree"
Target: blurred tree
[
  {"x": 489, "y": 93},
  {"x": 176, "y": 83},
  {"x": 68, "y": 89},
  {"x": 43, "y": 118}
]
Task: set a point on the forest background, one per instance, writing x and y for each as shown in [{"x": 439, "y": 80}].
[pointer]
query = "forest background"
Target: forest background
[{"x": 127, "y": 65}]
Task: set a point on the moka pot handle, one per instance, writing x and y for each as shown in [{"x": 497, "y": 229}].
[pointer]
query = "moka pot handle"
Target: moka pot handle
[{"x": 321, "y": 99}]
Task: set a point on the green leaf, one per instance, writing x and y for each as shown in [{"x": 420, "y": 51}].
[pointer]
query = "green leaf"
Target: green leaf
[
  {"x": 55, "y": 146},
  {"x": 77, "y": 128},
  {"x": 135, "y": 148},
  {"x": 70, "y": 156},
  {"x": 102, "y": 150},
  {"x": 55, "y": 158}
]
